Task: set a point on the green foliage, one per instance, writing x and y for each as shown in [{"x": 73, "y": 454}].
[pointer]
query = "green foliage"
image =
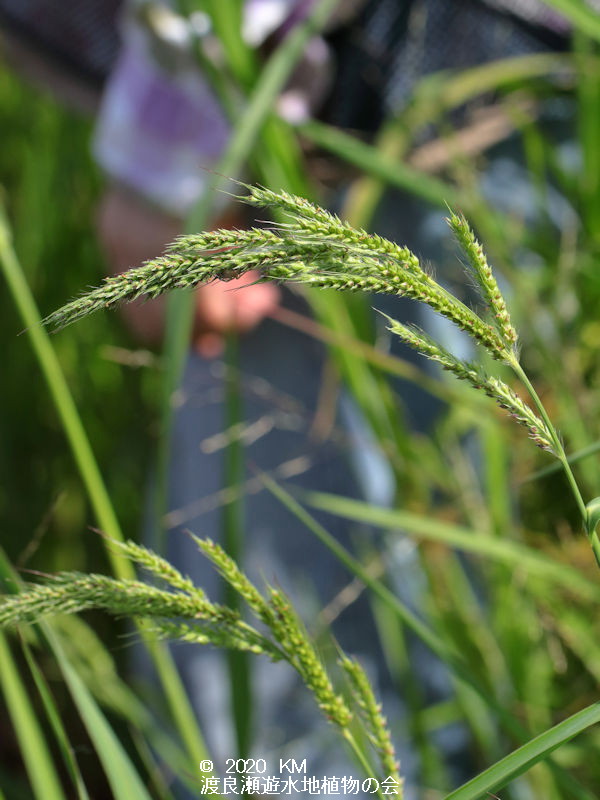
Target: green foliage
[
  {"x": 495, "y": 536},
  {"x": 50, "y": 190},
  {"x": 208, "y": 623}
]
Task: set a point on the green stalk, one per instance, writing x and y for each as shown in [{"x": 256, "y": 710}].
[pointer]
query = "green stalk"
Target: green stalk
[
  {"x": 562, "y": 457},
  {"x": 521, "y": 760},
  {"x": 238, "y": 662},
  {"x": 39, "y": 764},
  {"x": 361, "y": 757},
  {"x": 93, "y": 482},
  {"x": 63, "y": 400}
]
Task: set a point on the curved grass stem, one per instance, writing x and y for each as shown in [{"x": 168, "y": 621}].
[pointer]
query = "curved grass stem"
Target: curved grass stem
[
  {"x": 361, "y": 757},
  {"x": 561, "y": 455}
]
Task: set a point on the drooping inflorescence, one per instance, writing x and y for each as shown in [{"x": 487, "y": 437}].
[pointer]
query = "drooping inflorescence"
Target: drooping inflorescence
[
  {"x": 481, "y": 271},
  {"x": 479, "y": 379},
  {"x": 372, "y": 715},
  {"x": 183, "y": 611},
  {"x": 313, "y": 247}
]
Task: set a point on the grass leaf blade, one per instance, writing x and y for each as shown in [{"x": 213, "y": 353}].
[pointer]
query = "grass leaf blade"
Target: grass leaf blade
[{"x": 521, "y": 760}]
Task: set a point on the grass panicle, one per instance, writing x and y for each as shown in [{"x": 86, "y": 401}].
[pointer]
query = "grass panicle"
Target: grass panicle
[
  {"x": 293, "y": 638},
  {"x": 188, "y": 615},
  {"x": 315, "y": 249},
  {"x": 72, "y": 592},
  {"x": 475, "y": 375},
  {"x": 236, "y": 578},
  {"x": 375, "y": 723},
  {"x": 484, "y": 277}
]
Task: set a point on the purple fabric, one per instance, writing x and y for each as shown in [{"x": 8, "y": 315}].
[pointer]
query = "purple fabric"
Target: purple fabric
[{"x": 156, "y": 132}]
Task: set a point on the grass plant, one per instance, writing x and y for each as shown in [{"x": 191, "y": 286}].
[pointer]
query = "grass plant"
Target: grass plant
[
  {"x": 510, "y": 590},
  {"x": 182, "y": 611},
  {"x": 317, "y": 249}
]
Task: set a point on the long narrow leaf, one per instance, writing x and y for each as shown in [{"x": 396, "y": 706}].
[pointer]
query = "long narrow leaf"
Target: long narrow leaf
[
  {"x": 453, "y": 661},
  {"x": 38, "y": 761},
  {"x": 82, "y": 452},
  {"x": 63, "y": 400},
  {"x": 526, "y": 756},
  {"x": 122, "y": 775},
  {"x": 372, "y": 162},
  {"x": 53, "y": 714},
  {"x": 462, "y": 538}
]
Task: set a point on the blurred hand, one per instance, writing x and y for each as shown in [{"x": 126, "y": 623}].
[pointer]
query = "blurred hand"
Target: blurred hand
[
  {"x": 131, "y": 232},
  {"x": 238, "y": 305}
]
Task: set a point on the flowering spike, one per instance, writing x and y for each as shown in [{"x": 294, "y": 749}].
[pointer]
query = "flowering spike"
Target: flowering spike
[{"x": 484, "y": 277}]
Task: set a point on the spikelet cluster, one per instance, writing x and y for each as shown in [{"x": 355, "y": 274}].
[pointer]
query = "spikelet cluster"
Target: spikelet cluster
[
  {"x": 159, "y": 567},
  {"x": 520, "y": 412},
  {"x": 290, "y": 633},
  {"x": 495, "y": 388},
  {"x": 375, "y": 723},
  {"x": 287, "y": 630},
  {"x": 204, "y": 622},
  {"x": 240, "y": 637},
  {"x": 234, "y": 576},
  {"x": 481, "y": 271},
  {"x": 182, "y": 611},
  {"x": 315, "y": 248},
  {"x": 72, "y": 592}
]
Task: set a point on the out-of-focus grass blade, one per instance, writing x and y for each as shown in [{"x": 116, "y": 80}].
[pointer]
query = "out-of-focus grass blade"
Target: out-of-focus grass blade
[
  {"x": 31, "y": 739},
  {"x": 95, "y": 487},
  {"x": 588, "y": 95},
  {"x": 452, "y": 659},
  {"x": 38, "y": 761},
  {"x": 62, "y": 398},
  {"x": 456, "y": 536},
  {"x": 356, "y": 568},
  {"x": 455, "y": 662},
  {"x": 521, "y": 760},
  {"x": 582, "y": 15},
  {"x": 12, "y": 582},
  {"x": 53, "y": 715},
  {"x": 590, "y": 450},
  {"x": 443, "y": 91},
  {"x": 433, "y": 96},
  {"x": 124, "y": 780},
  {"x": 374, "y": 163}
]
